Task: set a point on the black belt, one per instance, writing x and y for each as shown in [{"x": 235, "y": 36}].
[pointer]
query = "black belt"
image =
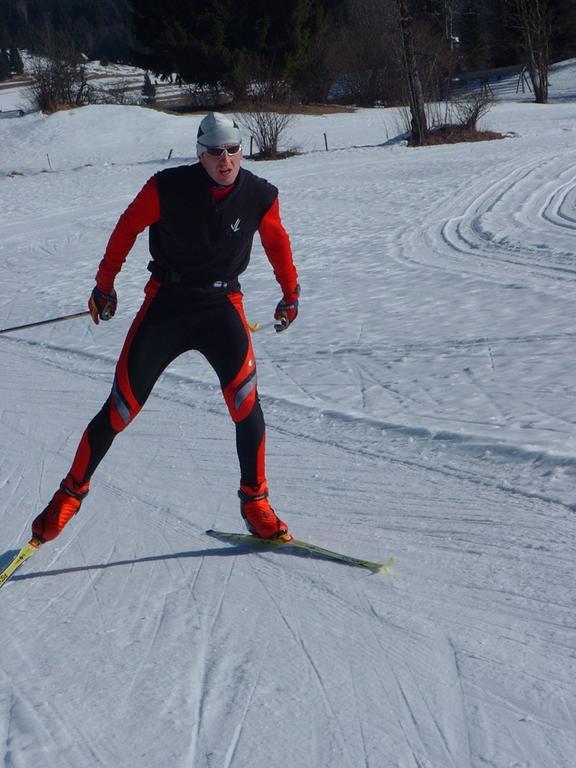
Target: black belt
[{"x": 177, "y": 278}]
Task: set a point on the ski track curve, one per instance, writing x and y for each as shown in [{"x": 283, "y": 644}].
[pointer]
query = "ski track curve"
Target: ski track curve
[{"x": 515, "y": 220}]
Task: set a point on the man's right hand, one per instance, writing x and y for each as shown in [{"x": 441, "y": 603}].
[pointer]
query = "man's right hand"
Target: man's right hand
[
  {"x": 287, "y": 310},
  {"x": 102, "y": 304}
]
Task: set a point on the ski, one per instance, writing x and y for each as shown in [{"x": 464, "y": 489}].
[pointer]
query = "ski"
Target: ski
[
  {"x": 26, "y": 552},
  {"x": 246, "y": 538}
]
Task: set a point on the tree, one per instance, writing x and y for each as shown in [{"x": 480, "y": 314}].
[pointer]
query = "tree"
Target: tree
[
  {"x": 474, "y": 37},
  {"x": 188, "y": 39},
  {"x": 364, "y": 54},
  {"x": 4, "y": 66},
  {"x": 533, "y": 20},
  {"x": 148, "y": 89},
  {"x": 219, "y": 43},
  {"x": 16, "y": 63},
  {"x": 441, "y": 13},
  {"x": 99, "y": 29},
  {"x": 563, "y": 21},
  {"x": 419, "y": 123}
]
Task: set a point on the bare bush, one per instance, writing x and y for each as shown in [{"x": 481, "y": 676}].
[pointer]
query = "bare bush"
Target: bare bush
[
  {"x": 267, "y": 126},
  {"x": 205, "y": 96},
  {"x": 467, "y": 110},
  {"x": 121, "y": 93},
  {"x": 59, "y": 81},
  {"x": 452, "y": 121},
  {"x": 262, "y": 85}
]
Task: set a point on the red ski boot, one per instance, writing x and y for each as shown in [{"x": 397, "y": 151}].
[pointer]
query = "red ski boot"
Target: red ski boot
[
  {"x": 63, "y": 506},
  {"x": 260, "y": 518}
]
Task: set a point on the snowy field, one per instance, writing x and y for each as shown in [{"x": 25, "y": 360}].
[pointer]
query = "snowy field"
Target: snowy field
[{"x": 421, "y": 407}]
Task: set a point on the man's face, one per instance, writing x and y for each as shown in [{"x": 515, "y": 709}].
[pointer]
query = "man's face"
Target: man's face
[{"x": 223, "y": 168}]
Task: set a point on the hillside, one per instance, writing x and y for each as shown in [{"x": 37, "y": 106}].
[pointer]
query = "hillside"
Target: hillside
[{"x": 421, "y": 407}]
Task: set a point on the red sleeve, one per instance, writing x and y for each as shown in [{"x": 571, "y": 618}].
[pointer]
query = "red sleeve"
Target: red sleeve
[
  {"x": 277, "y": 246},
  {"x": 142, "y": 211}
]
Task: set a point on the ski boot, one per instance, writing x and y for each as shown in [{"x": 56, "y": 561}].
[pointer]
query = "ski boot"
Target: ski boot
[
  {"x": 260, "y": 518},
  {"x": 62, "y": 507}
]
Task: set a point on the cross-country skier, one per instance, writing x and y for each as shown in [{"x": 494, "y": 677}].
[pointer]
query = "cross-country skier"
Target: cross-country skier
[{"x": 202, "y": 219}]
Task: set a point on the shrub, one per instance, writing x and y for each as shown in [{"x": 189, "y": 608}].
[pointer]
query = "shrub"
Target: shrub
[
  {"x": 468, "y": 110},
  {"x": 267, "y": 126},
  {"x": 59, "y": 81}
]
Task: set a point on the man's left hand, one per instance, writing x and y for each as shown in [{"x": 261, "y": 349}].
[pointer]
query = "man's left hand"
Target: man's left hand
[{"x": 287, "y": 310}]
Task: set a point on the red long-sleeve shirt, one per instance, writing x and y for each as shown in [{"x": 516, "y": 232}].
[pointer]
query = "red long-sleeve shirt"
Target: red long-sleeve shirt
[{"x": 144, "y": 210}]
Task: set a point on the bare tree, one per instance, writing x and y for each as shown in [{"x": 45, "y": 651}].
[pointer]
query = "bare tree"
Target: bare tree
[
  {"x": 533, "y": 19},
  {"x": 446, "y": 13},
  {"x": 419, "y": 126}
]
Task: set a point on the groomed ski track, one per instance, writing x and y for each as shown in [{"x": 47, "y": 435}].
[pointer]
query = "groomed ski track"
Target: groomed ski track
[{"x": 195, "y": 648}]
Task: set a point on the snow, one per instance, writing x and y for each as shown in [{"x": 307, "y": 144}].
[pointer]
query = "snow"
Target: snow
[{"x": 421, "y": 407}]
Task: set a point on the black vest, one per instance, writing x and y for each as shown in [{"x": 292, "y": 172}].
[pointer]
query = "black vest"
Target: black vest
[{"x": 201, "y": 239}]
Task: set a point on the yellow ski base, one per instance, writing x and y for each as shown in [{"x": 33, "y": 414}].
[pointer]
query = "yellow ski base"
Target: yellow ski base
[{"x": 26, "y": 552}]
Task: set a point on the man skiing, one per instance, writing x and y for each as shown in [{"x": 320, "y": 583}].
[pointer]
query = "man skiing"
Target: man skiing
[{"x": 202, "y": 219}]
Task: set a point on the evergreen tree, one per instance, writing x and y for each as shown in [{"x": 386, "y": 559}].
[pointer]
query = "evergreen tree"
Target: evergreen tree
[
  {"x": 220, "y": 42},
  {"x": 16, "y": 63},
  {"x": 474, "y": 37},
  {"x": 504, "y": 35},
  {"x": 4, "y": 66},
  {"x": 148, "y": 89},
  {"x": 98, "y": 28},
  {"x": 563, "y": 20}
]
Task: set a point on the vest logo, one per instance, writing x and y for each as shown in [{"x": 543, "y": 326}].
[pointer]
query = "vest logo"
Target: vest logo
[{"x": 236, "y": 226}]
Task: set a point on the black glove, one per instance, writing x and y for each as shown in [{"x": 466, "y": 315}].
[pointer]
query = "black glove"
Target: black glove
[
  {"x": 102, "y": 304},
  {"x": 287, "y": 310}
]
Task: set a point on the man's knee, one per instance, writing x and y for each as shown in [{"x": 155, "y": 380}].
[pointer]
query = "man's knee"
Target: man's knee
[
  {"x": 121, "y": 411},
  {"x": 241, "y": 395}
]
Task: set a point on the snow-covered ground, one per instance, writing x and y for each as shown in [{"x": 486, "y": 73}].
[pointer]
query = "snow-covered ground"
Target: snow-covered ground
[
  {"x": 422, "y": 406},
  {"x": 101, "y": 77}
]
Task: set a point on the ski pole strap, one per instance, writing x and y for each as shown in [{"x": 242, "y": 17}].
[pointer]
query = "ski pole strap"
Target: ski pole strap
[{"x": 44, "y": 322}]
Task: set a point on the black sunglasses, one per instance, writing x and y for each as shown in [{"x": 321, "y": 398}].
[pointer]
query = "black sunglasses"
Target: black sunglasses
[{"x": 219, "y": 151}]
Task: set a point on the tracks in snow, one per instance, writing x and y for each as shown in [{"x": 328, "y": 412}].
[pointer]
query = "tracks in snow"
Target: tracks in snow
[{"x": 517, "y": 219}]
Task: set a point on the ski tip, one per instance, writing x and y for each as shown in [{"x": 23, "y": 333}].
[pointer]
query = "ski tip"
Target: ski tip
[{"x": 383, "y": 567}]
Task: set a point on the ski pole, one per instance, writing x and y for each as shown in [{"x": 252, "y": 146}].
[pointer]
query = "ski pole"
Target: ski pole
[
  {"x": 258, "y": 327},
  {"x": 45, "y": 322}
]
